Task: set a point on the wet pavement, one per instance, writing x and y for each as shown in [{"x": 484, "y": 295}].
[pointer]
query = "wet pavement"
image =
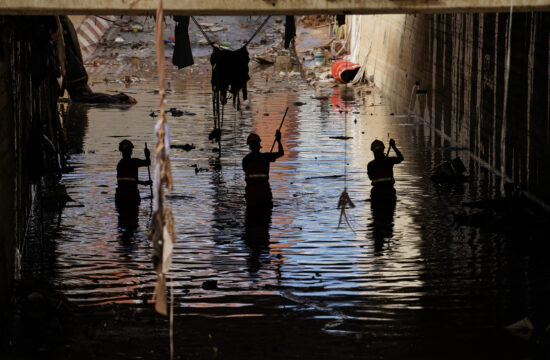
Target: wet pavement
[{"x": 406, "y": 283}]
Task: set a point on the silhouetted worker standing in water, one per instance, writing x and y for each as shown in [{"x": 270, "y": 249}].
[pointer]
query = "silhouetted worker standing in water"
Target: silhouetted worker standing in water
[
  {"x": 127, "y": 193},
  {"x": 258, "y": 198},
  {"x": 380, "y": 170},
  {"x": 383, "y": 199},
  {"x": 256, "y": 168}
]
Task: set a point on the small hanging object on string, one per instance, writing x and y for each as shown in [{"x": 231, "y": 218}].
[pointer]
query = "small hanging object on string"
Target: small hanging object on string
[{"x": 343, "y": 203}]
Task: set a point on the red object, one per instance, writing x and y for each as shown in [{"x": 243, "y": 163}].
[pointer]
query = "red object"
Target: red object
[
  {"x": 340, "y": 66},
  {"x": 171, "y": 38}
]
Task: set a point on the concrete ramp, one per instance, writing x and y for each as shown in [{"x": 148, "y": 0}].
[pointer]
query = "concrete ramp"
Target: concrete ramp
[{"x": 90, "y": 31}]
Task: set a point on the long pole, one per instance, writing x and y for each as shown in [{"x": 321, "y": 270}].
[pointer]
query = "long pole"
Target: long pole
[
  {"x": 280, "y": 126},
  {"x": 149, "y": 173}
]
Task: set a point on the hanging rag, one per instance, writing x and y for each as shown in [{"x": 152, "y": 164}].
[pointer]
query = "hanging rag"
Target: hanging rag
[
  {"x": 183, "y": 56},
  {"x": 161, "y": 231},
  {"x": 290, "y": 30},
  {"x": 230, "y": 73}
]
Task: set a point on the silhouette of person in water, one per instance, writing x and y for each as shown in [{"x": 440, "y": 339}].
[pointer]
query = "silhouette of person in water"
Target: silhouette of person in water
[
  {"x": 256, "y": 237},
  {"x": 383, "y": 199},
  {"x": 258, "y": 199},
  {"x": 127, "y": 197},
  {"x": 380, "y": 170},
  {"x": 256, "y": 169}
]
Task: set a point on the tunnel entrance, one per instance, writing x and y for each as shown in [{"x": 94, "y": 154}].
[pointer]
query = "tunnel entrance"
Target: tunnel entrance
[{"x": 429, "y": 271}]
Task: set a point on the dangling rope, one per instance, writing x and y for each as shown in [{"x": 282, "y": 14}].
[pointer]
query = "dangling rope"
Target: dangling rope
[
  {"x": 211, "y": 43},
  {"x": 344, "y": 201},
  {"x": 202, "y": 31},
  {"x": 257, "y": 31},
  {"x": 161, "y": 230}
]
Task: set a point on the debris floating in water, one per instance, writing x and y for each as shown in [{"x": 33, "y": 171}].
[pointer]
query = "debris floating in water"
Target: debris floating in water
[
  {"x": 185, "y": 147},
  {"x": 324, "y": 177},
  {"x": 341, "y": 137}
]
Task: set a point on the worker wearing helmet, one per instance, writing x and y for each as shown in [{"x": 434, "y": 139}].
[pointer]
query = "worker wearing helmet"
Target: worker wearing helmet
[
  {"x": 380, "y": 170},
  {"x": 256, "y": 169},
  {"x": 127, "y": 193}
]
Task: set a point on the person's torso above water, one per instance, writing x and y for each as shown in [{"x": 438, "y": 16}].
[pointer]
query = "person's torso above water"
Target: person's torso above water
[
  {"x": 256, "y": 167},
  {"x": 127, "y": 172},
  {"x": 380, "y": 171}
]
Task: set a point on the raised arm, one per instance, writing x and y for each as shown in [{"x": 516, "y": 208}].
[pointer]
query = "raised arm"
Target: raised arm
[
  {"x": 280, "y": 151},
  {"x": 147, "y": 160},
  {"x": 399, "y": 156}
]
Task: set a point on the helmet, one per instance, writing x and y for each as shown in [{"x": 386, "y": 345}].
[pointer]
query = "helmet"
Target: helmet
[
  {"x": 377, "y": 145},
  {"x": 253, "y": 138},
  {"x": 125, "y": 145}
]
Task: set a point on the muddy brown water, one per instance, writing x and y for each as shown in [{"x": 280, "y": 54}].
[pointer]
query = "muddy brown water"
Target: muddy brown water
[{"x": 413, "y": 278}]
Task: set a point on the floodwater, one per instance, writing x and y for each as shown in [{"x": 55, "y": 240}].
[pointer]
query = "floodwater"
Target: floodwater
[{"x": 404, "y": 279}]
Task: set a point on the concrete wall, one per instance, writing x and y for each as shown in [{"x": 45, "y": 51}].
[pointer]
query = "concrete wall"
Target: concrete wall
[
  {"x": 7, "y": 180},
  {"x": 30, "y": 134},
  {"x": 461, "y": 60}
]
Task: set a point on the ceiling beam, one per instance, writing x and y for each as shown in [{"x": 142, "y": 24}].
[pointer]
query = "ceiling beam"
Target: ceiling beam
[{"x": 263, "y": 7}]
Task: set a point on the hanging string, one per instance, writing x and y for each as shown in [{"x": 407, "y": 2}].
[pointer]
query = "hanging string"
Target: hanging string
[
  {"x": 213, "y": 44},
  {"x": 344, "y": 201},
  {"x": 202, "y": 31},
  {"x": 161, "y": 231},
  {"x": 258, "y": 30},
  {"x": 171, "y": 321}
]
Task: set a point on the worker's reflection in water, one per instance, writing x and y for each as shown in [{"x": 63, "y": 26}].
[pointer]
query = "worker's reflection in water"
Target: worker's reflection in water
[
  {"x": 258, "y": 198},
  {"x": 383, "y": 198},
  {"x": 127, "y": 197}
]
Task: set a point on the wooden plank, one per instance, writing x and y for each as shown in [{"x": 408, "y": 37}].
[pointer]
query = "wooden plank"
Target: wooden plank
[{"x": 263, "y": 7}]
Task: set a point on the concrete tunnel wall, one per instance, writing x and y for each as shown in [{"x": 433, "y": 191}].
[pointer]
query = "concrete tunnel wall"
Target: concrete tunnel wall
[
  {"x": 461, "y": 59},
  {"x": 29, "y": 92}
]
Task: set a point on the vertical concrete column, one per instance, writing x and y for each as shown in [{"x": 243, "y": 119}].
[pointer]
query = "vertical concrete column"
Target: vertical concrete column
[{"x": 7, "y": 176}]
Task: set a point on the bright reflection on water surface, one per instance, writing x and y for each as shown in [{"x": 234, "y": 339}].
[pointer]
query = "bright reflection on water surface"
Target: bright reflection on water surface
[{"x": 405, "y": 271}]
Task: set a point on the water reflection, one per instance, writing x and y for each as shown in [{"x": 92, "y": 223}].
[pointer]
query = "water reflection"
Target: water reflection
[
  {"x": 382, "y": 210},
  {"x": 436, "y": 275},
  {"x": 75, "y": 123},
  {"x": 127, "y": 223},
  {"x": 256, "y": 236}
]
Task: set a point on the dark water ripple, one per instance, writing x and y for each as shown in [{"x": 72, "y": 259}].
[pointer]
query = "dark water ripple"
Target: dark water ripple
[{"x": 424, "y": 272}]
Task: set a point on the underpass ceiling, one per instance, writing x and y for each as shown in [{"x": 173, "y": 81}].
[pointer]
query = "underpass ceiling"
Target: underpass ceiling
[{"x": 263, "y": 7}]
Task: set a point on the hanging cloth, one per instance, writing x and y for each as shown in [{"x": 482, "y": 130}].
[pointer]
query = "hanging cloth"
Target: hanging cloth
[
  {"x": 230, "y": 73},
  {"x": 290, "y": 30},
  {"x": 183, "y": 56}
]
